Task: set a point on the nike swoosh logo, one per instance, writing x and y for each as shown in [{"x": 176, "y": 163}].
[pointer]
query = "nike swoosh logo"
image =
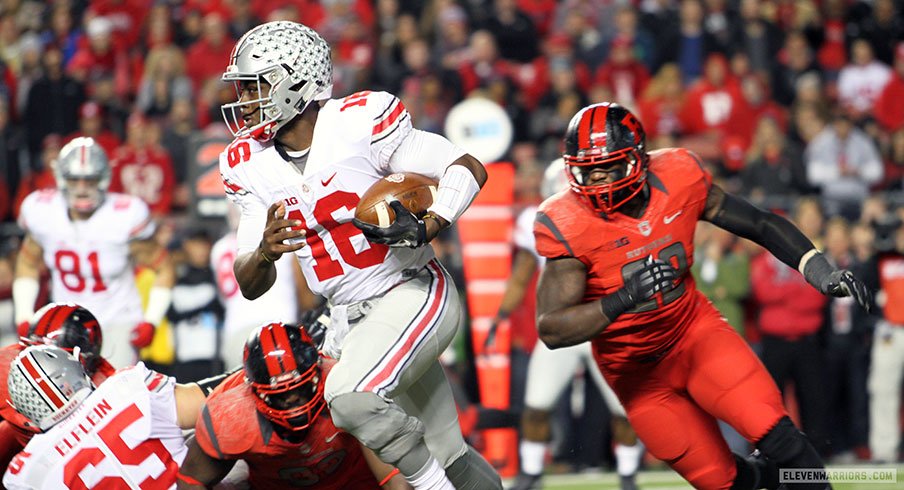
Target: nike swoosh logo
[
  {"x": 326, "y": 183},
  {"x": 330, "y": 438},
  {"x": 669, "y": 219}
]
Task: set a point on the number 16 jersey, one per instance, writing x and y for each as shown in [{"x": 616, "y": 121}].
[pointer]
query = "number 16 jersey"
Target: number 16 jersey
[{"x": 613, "y": 248}]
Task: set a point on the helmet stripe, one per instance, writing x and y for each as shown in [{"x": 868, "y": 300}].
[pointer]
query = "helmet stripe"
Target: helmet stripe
[
  {"x": 584, "y": 130},
  {"x": 53, "y": 321},
  {"x": 40, "y": 381},
  {"x": 282, "y": 342},
  {"x": 268, "y": 346}
]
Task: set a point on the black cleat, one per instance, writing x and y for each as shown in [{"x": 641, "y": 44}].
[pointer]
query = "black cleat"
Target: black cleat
[{"x": 526, "y": 482}]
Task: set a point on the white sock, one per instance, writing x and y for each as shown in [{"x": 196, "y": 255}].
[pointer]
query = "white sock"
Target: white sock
[
  {"x": 627, "y": 458},
  {"x": 533, "y": 456},
  {"x": 430, "y": 477}
]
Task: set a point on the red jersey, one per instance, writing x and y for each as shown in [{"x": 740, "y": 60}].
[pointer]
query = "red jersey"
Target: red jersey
[
  {"x": 230, "y": 427},
  {"x": 615, "y": 247}
]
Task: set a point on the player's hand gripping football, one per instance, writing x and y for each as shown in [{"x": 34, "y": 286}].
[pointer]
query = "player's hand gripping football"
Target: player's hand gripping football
[
  {"x": 406, "y": 231},
  {"x": 656, "y": 276},
  {"x": 842, "y": 283},
  {"x": 277, "y": 231}
]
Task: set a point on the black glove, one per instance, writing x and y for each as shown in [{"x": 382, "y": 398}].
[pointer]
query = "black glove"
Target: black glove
[
  {"x": 837, "y": 282},
  {"x": 656, "y": 276},
  {"x": 315, "y": 322},
  {"x": 406, "y": 231}
]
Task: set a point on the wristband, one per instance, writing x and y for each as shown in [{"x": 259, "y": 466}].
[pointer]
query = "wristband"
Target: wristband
[
  {"x": 457, "y": 188},
  {"x": 816, "y": 270},
  {"x": 613, "y": 305}
]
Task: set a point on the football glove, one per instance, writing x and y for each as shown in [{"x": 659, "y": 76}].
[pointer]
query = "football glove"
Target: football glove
[
  {"x": 142, "y": 335},
  {"x": 837, "y": 282},
  {"x": 406, "y": 231},
  {"x": 656, "y": 276},
  {"x": 315, "y": 322}
]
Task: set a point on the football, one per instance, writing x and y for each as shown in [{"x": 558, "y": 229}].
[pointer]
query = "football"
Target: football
[{"x": 415, "y": 191}]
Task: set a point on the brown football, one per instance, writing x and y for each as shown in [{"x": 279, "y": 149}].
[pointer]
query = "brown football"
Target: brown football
[{"x": 415, "y": 191}]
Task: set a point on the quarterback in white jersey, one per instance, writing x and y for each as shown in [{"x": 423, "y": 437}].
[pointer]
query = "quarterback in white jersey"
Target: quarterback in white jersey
[
  {"x": 89, "y": 239},
  {"x": 298, "y": 167},
  {"x": 550, "y": 371},
  {"x": 126, "y": 433}
]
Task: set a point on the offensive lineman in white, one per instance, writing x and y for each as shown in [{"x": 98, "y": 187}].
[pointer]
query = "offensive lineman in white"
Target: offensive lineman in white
[
  {"x": 550, "y": 371},
  {"x": 297, "y": 169},
  {"x": 89, "y": 238},
  {"x": 126, "y": 433}
]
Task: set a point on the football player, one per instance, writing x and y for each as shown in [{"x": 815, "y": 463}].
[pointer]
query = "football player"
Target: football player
[
  {"x": 89, "y": 239},
  {"x": 125, "y": 433},
  {"x": 550, "y": 371},
  {"x": 619, "y": 247},
  {"x": 297, "y": 168},
  {"x": 273, "y": 416},
  {"x": 67, "y": 326}
]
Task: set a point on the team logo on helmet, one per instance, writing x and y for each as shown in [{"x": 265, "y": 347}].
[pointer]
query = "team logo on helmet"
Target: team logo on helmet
[{"x": 46, "y": 384}]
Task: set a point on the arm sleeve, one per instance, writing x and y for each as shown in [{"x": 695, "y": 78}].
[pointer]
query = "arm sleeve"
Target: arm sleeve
[
  {"x": 769, "y": 230},
  {"x": 391, "y": 124},
  {"x": 424, "y": 153},
  {"x": 253, "y": 212},
  {"x": 143, "y": 225}
]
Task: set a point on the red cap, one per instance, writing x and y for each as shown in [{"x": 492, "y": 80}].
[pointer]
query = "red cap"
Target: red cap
[{"x": 90, "y": 109}]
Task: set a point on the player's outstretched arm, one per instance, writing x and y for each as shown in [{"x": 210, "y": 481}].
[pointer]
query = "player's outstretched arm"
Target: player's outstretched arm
[
  {"x": 389, "y": 477},
  {"x": 199, "y": 470},
  {"x": 781, "y": 238},
  {"x": 254, "y": 271},
  {"x": 25, "y": 285}
]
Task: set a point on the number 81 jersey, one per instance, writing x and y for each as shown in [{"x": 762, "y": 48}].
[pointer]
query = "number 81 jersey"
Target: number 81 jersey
[
  {"x": 354, "y": 140},
  {"x": 613, "y": 248},
  {"x": 89, "y": 259}
]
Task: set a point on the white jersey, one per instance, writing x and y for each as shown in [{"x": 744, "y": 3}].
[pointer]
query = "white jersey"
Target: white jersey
[
  {"x": 524, "y": 233},
  {"x": 278, "y": 304},
  {"x": 124, "y": 435},
  {"x": 89, "y": 259},
  {"x": 860, "y": 86},
  {"x": 353, "y": 145}
]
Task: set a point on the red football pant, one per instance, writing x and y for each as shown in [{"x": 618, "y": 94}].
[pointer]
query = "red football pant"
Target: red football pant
[{"x": 673, "y": 404}]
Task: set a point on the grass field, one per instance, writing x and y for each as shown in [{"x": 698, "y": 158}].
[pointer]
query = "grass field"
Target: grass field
[{"x": 667, "y": 480}]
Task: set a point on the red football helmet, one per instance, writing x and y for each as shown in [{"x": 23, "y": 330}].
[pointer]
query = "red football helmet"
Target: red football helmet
[
  {"x": 603, "y": 135},
  {"x": 283, "y": 367},
  {"x": 67, "y": 325}
]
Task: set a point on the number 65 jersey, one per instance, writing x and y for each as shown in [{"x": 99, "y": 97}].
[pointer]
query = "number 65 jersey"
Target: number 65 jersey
[
  {"x": 123, "y": 435},
  {"x": 614, "y": 247},
  {"x": 89, "y": 259},
  {"x": 353, "y": 146}
]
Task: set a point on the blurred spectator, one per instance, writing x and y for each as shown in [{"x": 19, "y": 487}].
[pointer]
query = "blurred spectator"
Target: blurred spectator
[
  {"x": 177, "y": 133},
  {"x": 40, "y": 175},
  {"x": 627, "y": 26},
  {"x": 623, "y": 73},
  {"x": 843, "y": 162},
  {"x": 11, "y": 166},
  {"x": 794, "y": 61},
  {"x": 722, "y": 23},
  {"x": 30, "y": 49},
  {"x": 195, "y": 315},
  {"x": 62, "y": 31},
  {"x": 207, "y": 57},
  {"x": 541, "y": 13},
  {"x": 790, "y": 316},
  {"x": 660, "y": 18},
  {"x": 91, "y": 124},
  {"x": 756, "y": 36},
  {"x": 882, "y": 28},
  {"x": 484, "y": 65},
  {"x": 241, "y": 18},
  {"x": 713, "y": 100},
  {"x": 428, "y": 93},
  {"x": 758, "y": 105},
  {"x": 453, "y": 38},
  {"x": 847, "y": 335},
  {"x": 550, "y": 119},
  {"x": 774, "y": 166},
  {"x": 100, "y": 58},
  {"x": 141, "y": 167},
  {"x": 661, "y": 102},
  {"x": 126, "y": 18},
  {"x": 808, "y": 120},
  {"x": 832, "y": 53},
  {"x": 893, "y": 178},
  {"x": 388, "y": 70},
  {"x": 53, "y": 103},
  {"x": 694, "y": 43},
  {"x": 164, "y": 80},
  {"x": 887, "y": 368},
  {"x": 534, "y": 79},
  {"x": 514, "y": 31},
  {"x": 888, "y": 109},
  {"x": 577, "y": 19},
  {"x": 861, "y": 81}
]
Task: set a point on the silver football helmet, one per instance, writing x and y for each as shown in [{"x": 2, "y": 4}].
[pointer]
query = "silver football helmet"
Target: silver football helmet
[
  {"x": 554, "y": 179},
  {"x": 83, "y": 159},
  {"x": 46, "y": 384},
  {"x": 293, "y": 59}
]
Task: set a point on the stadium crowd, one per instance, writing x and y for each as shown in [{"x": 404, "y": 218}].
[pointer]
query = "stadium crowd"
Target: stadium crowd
[{"x": 795, "y": 104}]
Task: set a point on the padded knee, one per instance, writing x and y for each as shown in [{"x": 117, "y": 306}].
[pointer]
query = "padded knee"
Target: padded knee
[
  {"x": 396, "y": 437},
  {"x": 472, "y": 472}
]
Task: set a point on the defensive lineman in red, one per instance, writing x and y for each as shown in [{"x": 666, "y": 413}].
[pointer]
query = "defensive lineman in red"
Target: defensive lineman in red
[{"x": 620, "y": 248}]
